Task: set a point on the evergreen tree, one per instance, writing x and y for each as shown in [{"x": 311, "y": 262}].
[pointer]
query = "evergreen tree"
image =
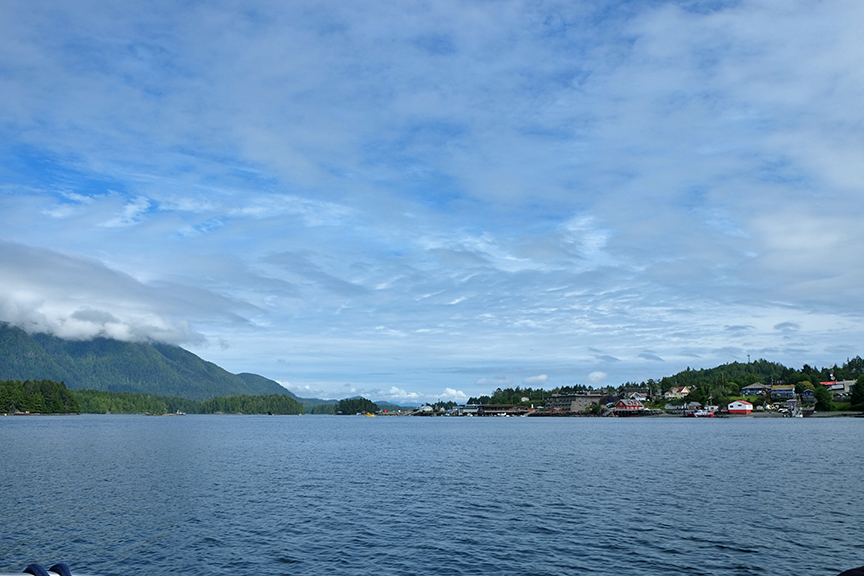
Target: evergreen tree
[
  {"x": 355, "y": 406},
  {"x": 823, "y": 399},
  {"x": 856, "y": 396}
]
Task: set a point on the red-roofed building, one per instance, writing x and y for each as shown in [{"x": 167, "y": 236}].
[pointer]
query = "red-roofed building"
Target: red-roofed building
[
  {"x": 740, "y": 407},
  {"x": 839, "y": 386},
  {"x": 630, "y": 405}
]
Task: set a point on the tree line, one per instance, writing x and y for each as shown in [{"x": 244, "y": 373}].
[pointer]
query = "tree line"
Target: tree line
[
  {"x": 104, "y": 402},
  {"x": 534, "y": 395},
  {"x": 355, "y": 406},
  {"x": 47, "y": 397},
  {"x": 272, "y": 404},
  {"x": 37, "y": 396}
]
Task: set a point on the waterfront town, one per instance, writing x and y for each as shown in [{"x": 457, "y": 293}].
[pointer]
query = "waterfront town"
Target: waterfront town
[{"x": 756, "y": 400}]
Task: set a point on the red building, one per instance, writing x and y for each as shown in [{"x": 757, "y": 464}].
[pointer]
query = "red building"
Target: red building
[{"x": 630, "y": 405}]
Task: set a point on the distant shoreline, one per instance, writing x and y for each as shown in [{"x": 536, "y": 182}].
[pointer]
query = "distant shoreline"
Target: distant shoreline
[{"x": 762, "y": 415}]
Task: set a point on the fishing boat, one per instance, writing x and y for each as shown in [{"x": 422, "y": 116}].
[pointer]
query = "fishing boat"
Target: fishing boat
[{"x": 703, "y": 413}]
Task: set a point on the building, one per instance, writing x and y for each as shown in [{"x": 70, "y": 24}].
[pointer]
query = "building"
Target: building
[
  {"x": 783, "y": 391},
  {"x": 756, "y": 389},
  {"x": 574, "y": 402},
  {"x": 501, "y": 410},
  {"x": 839, "y": 386},
  {"x": 630, "y": 391},
  {"x": 629, "y": 405},
  {"x": 740, "y": 407},
  {"x": 676, "y": 393},
  {"x": 791, "y": 404}
]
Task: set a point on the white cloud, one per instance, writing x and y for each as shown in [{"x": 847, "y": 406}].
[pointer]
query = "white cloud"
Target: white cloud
[
  {"x": 496, "y": 382},
  {"x": 452, "y": 395},
  {"x": 131, "y": 214},
  {"x": 597, "y": 377},
  {"x": 396, "y": 393},
  {"x": 536, "y": 380}
]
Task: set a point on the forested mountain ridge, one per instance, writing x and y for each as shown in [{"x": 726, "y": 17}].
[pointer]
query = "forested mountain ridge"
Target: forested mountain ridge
[{"x": 105, "y": 364}]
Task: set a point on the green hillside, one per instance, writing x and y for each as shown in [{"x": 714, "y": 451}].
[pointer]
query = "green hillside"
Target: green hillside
[
  {"x": 257, "y": 381},
  {"x": 104, "y": 364}
]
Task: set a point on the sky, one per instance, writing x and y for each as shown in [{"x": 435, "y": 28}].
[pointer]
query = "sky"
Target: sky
[{"x": 418, "y": 201}]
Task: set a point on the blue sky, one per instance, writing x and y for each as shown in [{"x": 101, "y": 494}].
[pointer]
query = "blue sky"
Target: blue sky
[{"x": 423, "y": 200}]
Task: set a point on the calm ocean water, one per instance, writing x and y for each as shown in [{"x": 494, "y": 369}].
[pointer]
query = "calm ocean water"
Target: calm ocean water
[{"x": 298, "y": 495}]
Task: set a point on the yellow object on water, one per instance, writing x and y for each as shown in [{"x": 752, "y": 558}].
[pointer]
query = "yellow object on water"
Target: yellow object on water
[{"x": 369, "y": 415}]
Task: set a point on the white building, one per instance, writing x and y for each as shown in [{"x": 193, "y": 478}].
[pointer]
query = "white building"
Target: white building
[{"x": 740, "y": 407}]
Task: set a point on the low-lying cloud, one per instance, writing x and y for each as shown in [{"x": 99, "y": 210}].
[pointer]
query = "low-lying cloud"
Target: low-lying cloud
[{"x": 78, "y": 299}]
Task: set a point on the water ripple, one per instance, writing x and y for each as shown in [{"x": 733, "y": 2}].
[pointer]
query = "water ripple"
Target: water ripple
[{"x": 354, "y": 496}]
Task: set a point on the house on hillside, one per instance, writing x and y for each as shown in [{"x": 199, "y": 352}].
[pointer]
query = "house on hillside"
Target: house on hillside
[
  {"x": 630, "y": 391},
  {"x": 783, "y": 391},
  {"x": 756, "y": 389},
  {"x": 677, "y": 392}
]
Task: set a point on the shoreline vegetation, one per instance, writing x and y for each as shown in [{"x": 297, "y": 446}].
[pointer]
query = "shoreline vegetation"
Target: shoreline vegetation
[
  {"x": 719, "y": 386},
  {"x": 48, "y": 397}
]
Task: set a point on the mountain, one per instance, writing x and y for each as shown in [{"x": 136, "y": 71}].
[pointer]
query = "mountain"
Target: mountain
[
  {"x": 390, "y": 407},
  {"x": 256, "y": 381},
  {"x": 105, "y": 364}
]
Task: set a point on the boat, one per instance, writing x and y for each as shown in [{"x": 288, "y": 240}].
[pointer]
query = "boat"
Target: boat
[
  {"x": 370, "y": 415},
  {"x": 703, "y": 413}
]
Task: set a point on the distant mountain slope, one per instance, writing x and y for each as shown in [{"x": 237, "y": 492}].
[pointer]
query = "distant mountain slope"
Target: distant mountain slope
[
  {"x": 308, "y": 403},
  {"x": 257, "y": 381},
  {"x": 104, "y": 364}
]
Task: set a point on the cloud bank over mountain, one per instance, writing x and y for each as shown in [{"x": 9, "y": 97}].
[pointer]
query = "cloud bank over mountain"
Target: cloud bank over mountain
[{"x": 79, "y": 299}]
